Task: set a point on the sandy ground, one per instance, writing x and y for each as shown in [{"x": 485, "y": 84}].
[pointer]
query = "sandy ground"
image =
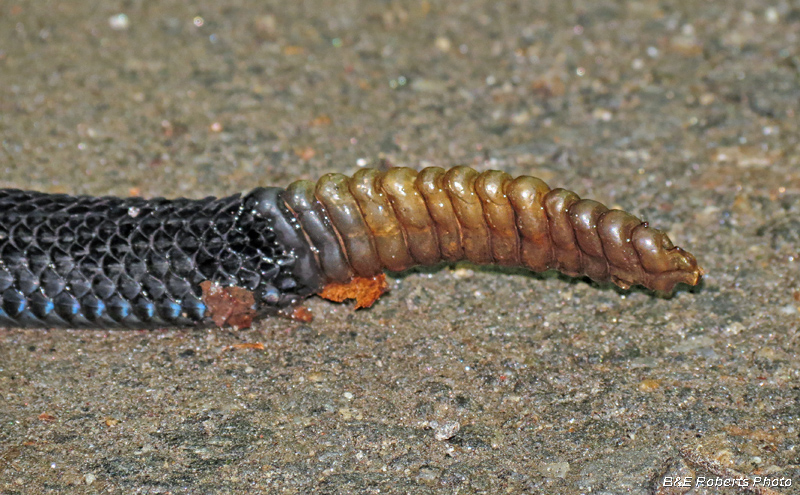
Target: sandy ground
[{"x": 461, "y": 379}]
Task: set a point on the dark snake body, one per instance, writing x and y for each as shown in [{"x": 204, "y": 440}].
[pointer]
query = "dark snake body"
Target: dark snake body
[
  {"x": 107, "y": 262},
  {"x": 79, "y": 261}
]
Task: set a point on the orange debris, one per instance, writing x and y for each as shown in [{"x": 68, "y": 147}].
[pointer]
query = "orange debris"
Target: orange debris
[
  {"x": 364, "y": 290},
  {"x": 258, "y": 346},
  {"x": 228, "y": 305},
  {"x": 301, "y": 313}
]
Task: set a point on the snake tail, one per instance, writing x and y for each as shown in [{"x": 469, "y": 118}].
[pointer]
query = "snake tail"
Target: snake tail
[{"x": 80, "y": 261}]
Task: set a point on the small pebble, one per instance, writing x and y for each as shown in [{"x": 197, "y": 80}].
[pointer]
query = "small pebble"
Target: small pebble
[
  {"x": 443, "y": 44},
  {"x": 119, "y": 22},
  {"x": 462, "y": 273},
  {"x": 316, "y": 377},
  {"x": 554, "y": 469},
  {"x": 428, "y": 474},
  {"x": 446, "y": 430},
  {"x": 734, "y": 328},
  {"x": 771, "y": 15},
  {"x": 649, "y": 385}
]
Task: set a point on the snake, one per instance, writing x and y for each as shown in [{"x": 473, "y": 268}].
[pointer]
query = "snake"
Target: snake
[{"x": 105, "y": 262}]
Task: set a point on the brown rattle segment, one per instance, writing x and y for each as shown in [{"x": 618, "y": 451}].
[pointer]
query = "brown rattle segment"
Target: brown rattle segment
[{"x": 399, "y": 218}]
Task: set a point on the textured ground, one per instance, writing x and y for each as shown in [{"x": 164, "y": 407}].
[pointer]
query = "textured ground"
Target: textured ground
[{"x": 461, "y": 379}]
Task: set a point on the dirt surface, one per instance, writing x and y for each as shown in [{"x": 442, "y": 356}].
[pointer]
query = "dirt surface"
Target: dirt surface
[{"x": 461, "y": 379}]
